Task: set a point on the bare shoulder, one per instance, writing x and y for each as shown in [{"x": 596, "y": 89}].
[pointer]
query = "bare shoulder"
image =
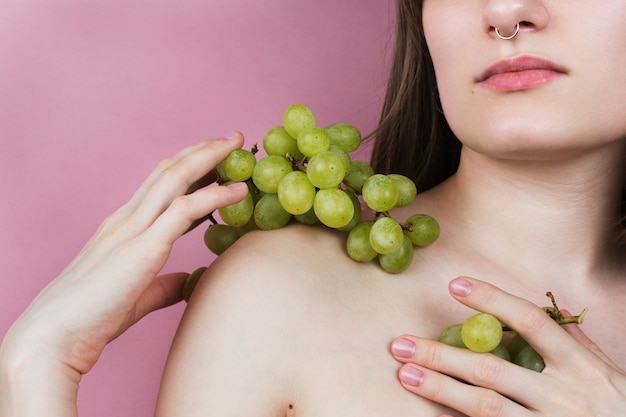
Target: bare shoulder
[{"x": 232, "y": 354}]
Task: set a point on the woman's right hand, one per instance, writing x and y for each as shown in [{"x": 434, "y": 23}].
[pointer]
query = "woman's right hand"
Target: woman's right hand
[{"x": 111, "y": 284}]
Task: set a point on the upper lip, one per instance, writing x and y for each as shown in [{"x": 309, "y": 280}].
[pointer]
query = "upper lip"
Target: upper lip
[{"x": 520, "y": 63}]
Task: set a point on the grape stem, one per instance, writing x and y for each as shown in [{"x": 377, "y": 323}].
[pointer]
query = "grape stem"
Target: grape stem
[{"x": 556, "y": 314}]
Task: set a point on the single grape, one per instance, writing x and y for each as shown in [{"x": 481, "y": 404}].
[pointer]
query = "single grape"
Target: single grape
[
  {"x": 345, "y": 136},
  {"x": 358, "y": 244},
  {"x": 502, "y": 352},
  {"x": 482, "y": 332},
  {"x": 380, "y": 193},
  {"x": 239, "y": 164},
  {"x": 269, "y": 214},
  {"x": 386, "y": 235},
  {"x": 221, "y": 173},
  {"x": 309, "y": 218},
  {"x": 277, "y": 141},
  {"x": 399, "y": 260},
  {"x": 191, "y": 282},
  {"x": 406, "y": 189},
  {"x": 422, "y": 229},
  {"x": 358, "y": 212},
  {"x": 296, "y": 193},
  {"x": 238, "y": 214},
  {"x": 357, "y": 174},
  {"x": 333, "y": 207},
  {"x": 219, "y": 237},
  {"x": 298, "y": 118},
  {"x": 268, "y": 172},
  {"x": 529, "y": 358},
  {"x": 313, "y": 141},
  {"x": 451, "y": 335},
  {"x": 325, "y": 169}
]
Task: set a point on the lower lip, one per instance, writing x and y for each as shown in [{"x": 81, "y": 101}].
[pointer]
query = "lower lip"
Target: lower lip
[{"x": 520, "y": 80}]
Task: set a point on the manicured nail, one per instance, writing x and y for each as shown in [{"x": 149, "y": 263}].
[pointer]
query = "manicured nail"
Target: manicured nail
[
  {"x": 237, "y": 186},
  {"x": 460, "y": 287},
  {"x": 231, "y": 135},
  {"x": 403, "y": 348},
  {"x": 411, "y": 376}
]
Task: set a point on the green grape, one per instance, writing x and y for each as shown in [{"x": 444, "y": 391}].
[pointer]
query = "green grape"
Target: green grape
[
  {"x": 358, "y": 244},
  {"x": 422, "y": 229},
  {"x": 400, "y": 260},
  {"x": 191, "y": 282},
  {"x": 219, "y": 237},
  {"x": 502, "y": 352},
  {"x": 298, "y": 118},
  {"x": 333, "y": 207},
  {"x": 530, "y": 359},
  {"x": 358, "y": 212},
  {"x": 239, "y": 164},
  {"x": 238, "y": 214},
  {"x": 380, "y": 193},
  {"x": 345, "y": 158},
  {"x": 309, "y": 218},
  {"x": 452, "y": 336},
  {"x": 313, "y": 141},
  {"x": 268, "y": 172},
  {"x": 345, "y": 136},
  {"x": 277, "y": 141},
  {"x": 482, "y": 332},
  {"x": 406, "y": 189},
  {"x": 220, "y": 172},
  {"x": 296, "y": 193},
  {"x": 516, "y": 345},
  {"x": 357, "y": 174},
  {"x": 386, "y": 235},
  {"x": 269, "y": 214},
  {"x": 325, "y": 169}
]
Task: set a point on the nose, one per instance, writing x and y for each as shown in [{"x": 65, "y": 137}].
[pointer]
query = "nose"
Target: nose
[{"x": 505, "y": 15}]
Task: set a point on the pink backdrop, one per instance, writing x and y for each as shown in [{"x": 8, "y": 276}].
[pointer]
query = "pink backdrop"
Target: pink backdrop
[{"x": 93, "y": 94}]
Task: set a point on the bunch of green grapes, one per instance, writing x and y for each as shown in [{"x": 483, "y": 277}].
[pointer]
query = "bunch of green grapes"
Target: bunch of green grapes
[
  {"x": 309, "y": 177},
  {"x": 484, "y": 332}
]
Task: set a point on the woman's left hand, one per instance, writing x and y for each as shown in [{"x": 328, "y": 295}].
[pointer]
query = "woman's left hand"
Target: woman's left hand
[{"x": 578, "y": 379}]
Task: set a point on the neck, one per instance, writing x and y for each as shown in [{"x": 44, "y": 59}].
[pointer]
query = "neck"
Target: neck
[{"x": 542, "y": 218}]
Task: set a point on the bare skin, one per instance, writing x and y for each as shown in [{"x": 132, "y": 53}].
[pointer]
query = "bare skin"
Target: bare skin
[{"x": 302, "y": 330}]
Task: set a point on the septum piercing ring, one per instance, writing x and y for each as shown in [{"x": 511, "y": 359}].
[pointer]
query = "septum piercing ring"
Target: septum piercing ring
[{"x": 506, "y": 38}]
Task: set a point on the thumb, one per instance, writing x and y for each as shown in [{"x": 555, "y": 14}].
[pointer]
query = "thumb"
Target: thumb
[{"x": 163, "y": 291}]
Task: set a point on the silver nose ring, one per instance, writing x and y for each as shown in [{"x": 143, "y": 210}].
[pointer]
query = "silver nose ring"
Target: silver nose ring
[{"x": 506, "y": 38}]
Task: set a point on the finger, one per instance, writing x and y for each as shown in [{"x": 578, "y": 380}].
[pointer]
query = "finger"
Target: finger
[
  {"x": 470, "y": 400},
  {"x": 164, "y": 291},
  {"x": 185, "y": 209},
  {"x": 176, "y": 179},
  {"x": 531, "y": 321},
  {"x": 139, "y": 195},
  {"x": 480, "y": 369}
]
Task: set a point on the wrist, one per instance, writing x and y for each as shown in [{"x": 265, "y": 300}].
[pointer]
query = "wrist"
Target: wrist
[{"x": 34, "y": 383}]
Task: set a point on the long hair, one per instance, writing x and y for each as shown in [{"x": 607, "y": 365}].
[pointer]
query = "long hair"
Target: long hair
[{"x": 413, "y": 137}]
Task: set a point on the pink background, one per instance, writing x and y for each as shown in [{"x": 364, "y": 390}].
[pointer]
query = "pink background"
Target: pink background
[{"x": 93, "y": 94}]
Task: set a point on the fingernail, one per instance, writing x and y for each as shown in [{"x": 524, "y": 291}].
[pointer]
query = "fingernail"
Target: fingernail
[
  {"x": 403, "y": 348},
  {"x": 238, "y": 186},
  {"x": 460, "y": 287},
  {"x": 231, "y": 135},
  {"x": 411, "y": 376}
]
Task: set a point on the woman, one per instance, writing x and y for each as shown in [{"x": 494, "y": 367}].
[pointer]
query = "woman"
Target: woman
[{"x": 301, "y": 330}]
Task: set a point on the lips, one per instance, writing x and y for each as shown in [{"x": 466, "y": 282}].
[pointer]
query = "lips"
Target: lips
[{"x": 519, "y": 73}]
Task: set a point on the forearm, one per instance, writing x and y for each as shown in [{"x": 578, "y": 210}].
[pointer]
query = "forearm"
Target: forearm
[{"x": 32, "y": 384}]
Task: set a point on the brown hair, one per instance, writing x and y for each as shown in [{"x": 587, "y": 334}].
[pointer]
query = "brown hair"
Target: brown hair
[{"x": 413, "y": 137}]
